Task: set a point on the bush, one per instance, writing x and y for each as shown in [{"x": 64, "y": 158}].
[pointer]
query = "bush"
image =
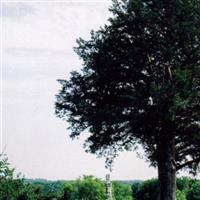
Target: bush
[
  {"x": 14, "y": 188},
  {"x": 147, "y": 190},
  {"x": 183, "y": 184},
  {"x": 89, "y": 188},
  {"x": 180, "y": 195},
  {"x": 194, "y": 192},
  {"x": 121, "y": 191}
]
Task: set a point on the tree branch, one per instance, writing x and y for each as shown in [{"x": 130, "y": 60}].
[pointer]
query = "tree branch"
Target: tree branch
[{"x": 187, "y": 163}]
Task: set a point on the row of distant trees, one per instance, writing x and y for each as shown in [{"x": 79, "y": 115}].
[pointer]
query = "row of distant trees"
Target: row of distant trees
[
  {"x": 186, "y": 189},
  {"x": 91, "y": 188},
  {"x": 88, "y": 188}
]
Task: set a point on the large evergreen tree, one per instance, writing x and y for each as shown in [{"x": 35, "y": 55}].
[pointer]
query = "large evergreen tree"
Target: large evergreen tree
[{"x": 140, "y": 84}]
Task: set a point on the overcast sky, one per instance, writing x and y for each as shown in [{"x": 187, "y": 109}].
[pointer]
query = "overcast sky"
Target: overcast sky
[{"x": 38, "y": 41}]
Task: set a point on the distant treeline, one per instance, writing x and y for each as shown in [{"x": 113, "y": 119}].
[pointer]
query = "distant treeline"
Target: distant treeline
[
  {"x": 91, "y": 188},
  {"x": 86, "y": 188}
]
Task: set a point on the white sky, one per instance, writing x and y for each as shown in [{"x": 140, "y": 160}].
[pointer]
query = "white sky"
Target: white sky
[{"x": 38, "y": 40}]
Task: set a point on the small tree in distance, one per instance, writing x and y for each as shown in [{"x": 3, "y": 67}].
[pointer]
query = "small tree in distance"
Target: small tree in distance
[
  {"x": 140, "y": 84},
  {"x": 91, "y": 188},
  {"x": 121, "y": 191}
]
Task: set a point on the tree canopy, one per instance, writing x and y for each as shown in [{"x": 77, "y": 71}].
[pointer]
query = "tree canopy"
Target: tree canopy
[
  {"x": 89, "y": 188},
  {"x": 140, "y": 84},
  {"x": 12, "y": 187},
  {"x": 121, "y": 191}
]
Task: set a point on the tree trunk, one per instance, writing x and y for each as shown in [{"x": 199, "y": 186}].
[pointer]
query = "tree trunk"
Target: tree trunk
[{"x": 167, "y": 169}]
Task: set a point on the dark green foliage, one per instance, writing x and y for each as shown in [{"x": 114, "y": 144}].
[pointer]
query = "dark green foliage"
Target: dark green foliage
[
  {"x": 130, "y": 182},
  {"x": 187, "y": 189},
  {"x": 90, "y": 188},
  {"x": 183, "y": 184},
  {"x": 29, "y": 192},
  {"x": 69, "y": 190},
  {"x": 9, "y": 187},
  {"x": 180, "y": 195},
  {"x": 121, "y": 191},
  {"x": 194, "y": 192},
  {"x": 52, "y": 189},
  {"x": 14, "y": 188},
  {"x": 135, "y": 188},
  {"x": 147, "y": 190}
]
